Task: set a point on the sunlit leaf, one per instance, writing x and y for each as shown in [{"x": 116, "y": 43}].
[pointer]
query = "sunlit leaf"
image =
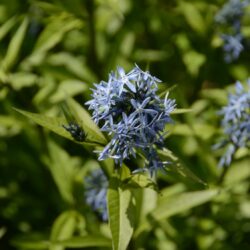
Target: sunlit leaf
[
  {"x": 63, "y": 228},
  {"x": 31, "y": 245},
  {"x": 62, "y": 168},
  {"x": 182, "y": 202},
  {"x": 68, "y": 88},
  {"x": 181, "y": 111},
  {"x": 121, "y": 214},
  {"x": 55, "y": 124},
  {"x": 85, "y": 241},
  {"x": 15, "y": 46},
  {"x": 176, "y": 167},
  {"x": 20, "y": 80},
  {"x": 141, "y": 180},
  {"x": 6, "y": 27},
  {"x": 239, "y": 171},
  {"x": 193, "y": 16},
  {"x": 92, "y": 130}
]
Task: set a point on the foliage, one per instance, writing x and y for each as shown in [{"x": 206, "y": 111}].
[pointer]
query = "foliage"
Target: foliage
[{"x": 51, "y": 54}]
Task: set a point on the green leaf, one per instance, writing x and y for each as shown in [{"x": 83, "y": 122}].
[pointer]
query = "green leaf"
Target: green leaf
[
  {"x": 193, "y": 61},
  {"x": 9, "y": 126},
  {"x": 218, "y": 96},
  {"x": 146, "y": 202},
  {"x": 121, "y": 214},
  {"x": 201, "y": 130},
  {"x": 176, "y": 167},
  {"x": 181, "y": 111},
  {"x": 68, "y": 88},
  {"x": 15, "y": 46},
  {"x": 182, "y": 202},
  {"x": 6, "y": 27},
  {"x": 150, "y": 55},
  {"x": 54, "y": 124},
  {"x": 141, "y": 181},
  {"x": 20, "y": 80},
  {"x": 63, "y": 228},
  {"x": 85, "y": 241},
  {"x": 31, "y": 244},
  {"x": 193, "y": 16},
  {"x": 75, "y": 65},
  {"x": 92, "y": 130},
  {"x": 54, "y": 31},
  {"x": 63, "y": 169},
  {"x": 52, "y": 35},
  {"x": 239, "y": 171},
  {"x": 171, "y": 191}
]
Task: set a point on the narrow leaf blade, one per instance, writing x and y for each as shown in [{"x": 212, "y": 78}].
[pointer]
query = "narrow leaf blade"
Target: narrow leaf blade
[
  {"x": 182, "y": 202},
  {"x": 52, "y": 123},
  {"x": 85, "y": 241},
  {"x": 15, "y": 46}
]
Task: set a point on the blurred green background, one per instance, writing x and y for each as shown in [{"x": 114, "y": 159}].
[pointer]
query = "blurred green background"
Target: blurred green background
[{"x": 54, "y": 50}]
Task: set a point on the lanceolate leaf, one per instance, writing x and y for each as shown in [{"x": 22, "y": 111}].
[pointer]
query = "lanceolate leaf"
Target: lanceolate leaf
[
  {"x": 167, "y": 155},
  {"x": 63, "y": 228},
  {"x": 182, "y": 202},
  {"x": 55, "y": 124},
  {"x": 31, "y": 244},
  {"x": 120, "y": 208},
  {"x": 85, "y": 241},
  {"x": 181, "y": 111},
  {"x": 15, "y": 46},
  {"x": 94, "y": 133},
  {"x": 5, "y": 28},
  {"x": 62, "y": 168}
]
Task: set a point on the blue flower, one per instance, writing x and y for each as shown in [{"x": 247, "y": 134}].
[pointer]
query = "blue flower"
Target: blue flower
[
  {"x": 231, "y": 15},
  {"x": 231, "y": 12},
  {"x": 128, "y": 108},
  {"x": 232, "y": 47},
  {"x": 236, "y": 123},
  {"x": 96, "y": 186}
]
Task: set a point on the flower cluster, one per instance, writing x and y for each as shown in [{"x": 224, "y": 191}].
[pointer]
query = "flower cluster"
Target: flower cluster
[
  {"x": 231, "y": 14},
  {"x": 128, "y": 108},
  {"x": 232, "y": 46},
  {"x": 236, "y": 123},
  {"x": 96, "y": 186}
]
